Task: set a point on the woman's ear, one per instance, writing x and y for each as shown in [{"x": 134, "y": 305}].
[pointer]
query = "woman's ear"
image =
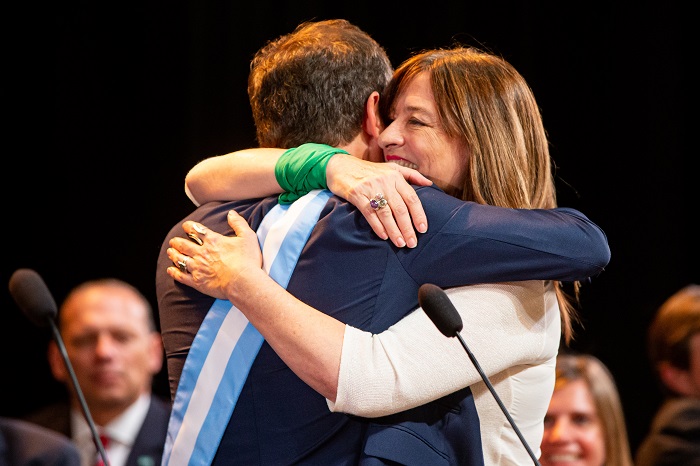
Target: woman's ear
[{"x": 373, "y": 123}]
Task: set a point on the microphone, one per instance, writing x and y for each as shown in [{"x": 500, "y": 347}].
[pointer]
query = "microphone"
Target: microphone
[
  {"x": 440, "y": 309},
  {"x": 442, "y": 312},
  {"x": 36, "y": 302},
  {"x": 33, "y": 297}
]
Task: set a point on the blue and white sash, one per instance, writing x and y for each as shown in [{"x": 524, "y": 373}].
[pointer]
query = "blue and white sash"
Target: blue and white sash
[{"x": 226, "y": 344}]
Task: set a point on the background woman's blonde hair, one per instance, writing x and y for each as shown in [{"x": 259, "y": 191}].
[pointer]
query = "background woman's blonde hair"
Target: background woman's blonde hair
[
  {"x": 600, "y": 382},
  {"x": 487, "y": 105}
]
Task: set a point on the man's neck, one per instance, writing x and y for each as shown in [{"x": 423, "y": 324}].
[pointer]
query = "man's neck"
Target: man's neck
[{"x": 362, "y": 148}]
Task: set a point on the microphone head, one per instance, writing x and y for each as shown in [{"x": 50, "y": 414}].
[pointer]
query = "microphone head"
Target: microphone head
[
  {"x": 32, "y": 296},
  {"x": 440, "y": 309}
]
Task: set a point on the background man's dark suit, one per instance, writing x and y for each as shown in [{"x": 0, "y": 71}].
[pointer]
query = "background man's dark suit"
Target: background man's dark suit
[
  {"x": 674, "y": 437},
  {"x": 148, "y": 443}
]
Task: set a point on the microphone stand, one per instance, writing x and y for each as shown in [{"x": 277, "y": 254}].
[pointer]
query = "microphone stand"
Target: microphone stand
[
  {"x": 79, "y": 392},
  {"x": 497, "y": 398}
]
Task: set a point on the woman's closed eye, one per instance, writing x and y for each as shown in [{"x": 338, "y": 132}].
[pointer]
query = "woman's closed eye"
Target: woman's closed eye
[{"x": 416, "y": 122}]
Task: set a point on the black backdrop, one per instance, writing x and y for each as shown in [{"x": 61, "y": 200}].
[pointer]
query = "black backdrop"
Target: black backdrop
[{"x": 107, "y": 106}]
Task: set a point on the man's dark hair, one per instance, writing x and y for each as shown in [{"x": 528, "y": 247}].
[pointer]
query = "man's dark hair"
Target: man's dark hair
[{"x": 311, "y": 85}]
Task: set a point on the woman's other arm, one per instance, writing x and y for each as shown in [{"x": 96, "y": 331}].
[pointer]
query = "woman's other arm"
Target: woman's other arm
[
  {"x": 244, "y": 174},
  {"x": 311, "y": 342},
  {"x": 250, "y": 173},
  {"x": 307, "y": 340}
]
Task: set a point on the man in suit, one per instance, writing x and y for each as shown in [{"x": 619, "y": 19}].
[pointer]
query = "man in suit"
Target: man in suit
[
  {"x": 674, "y": 353},
  {"x": 115, "y": 350},
  {"x": 25, "y": 444},
  {"x": 343, "y": 269}
]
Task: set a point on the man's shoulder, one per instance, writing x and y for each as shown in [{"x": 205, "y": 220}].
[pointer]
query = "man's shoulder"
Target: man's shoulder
[
  {"x": 160, "y": 406},
  {"x": 429, "y": 196},
  {"x": 158, "y": 415},
  {"x": 434, "y": 196},
  {"x": 215, "y": 213},
  {"x": 681, "y": 410},
  {"x": 27, "y": 443},
  {"x": 28, "y": 429}
]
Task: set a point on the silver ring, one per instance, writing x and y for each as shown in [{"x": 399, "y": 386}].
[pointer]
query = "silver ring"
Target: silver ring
[
  {"x": 378, "y": 202},
  {"x": 195, "y": 238},
  {"x": 182, "y": 265}
]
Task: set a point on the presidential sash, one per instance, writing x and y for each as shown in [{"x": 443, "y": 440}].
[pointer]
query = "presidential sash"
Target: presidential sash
[{"x": 226, "y": 344}]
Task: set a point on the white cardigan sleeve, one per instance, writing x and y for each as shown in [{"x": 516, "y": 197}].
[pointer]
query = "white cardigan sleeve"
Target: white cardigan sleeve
[{"x": 412, "y": 363}]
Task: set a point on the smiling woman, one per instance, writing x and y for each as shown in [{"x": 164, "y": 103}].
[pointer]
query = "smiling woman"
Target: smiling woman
[
  {"x": 416, "y": 137},
  {"x": 584, "y": 421}
]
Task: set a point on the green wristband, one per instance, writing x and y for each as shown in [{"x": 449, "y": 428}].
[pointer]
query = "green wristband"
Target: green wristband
[{"x": 303, "y": 169}]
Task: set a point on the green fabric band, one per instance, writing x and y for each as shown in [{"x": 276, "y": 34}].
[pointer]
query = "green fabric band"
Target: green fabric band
[{"x": 303, "y": 169}]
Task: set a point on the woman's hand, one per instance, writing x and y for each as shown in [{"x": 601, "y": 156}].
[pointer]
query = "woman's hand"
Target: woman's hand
[
  {"x": 360, "y": 182},
  {"x": 215, "y": 266}
]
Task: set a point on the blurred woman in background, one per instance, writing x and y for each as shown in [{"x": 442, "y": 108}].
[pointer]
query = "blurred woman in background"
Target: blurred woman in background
[{"x": 585, "y": 423}]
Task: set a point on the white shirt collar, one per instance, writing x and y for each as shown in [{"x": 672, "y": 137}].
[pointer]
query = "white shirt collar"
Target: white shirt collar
[{"x": 122, "y": 430}]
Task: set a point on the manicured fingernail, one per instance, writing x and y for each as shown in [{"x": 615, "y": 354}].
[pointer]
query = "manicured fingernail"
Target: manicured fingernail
[
  {"x": 400, "y": 242},
  {"x": 412, "y": 242},
  {"x": 422, "y": 228}
]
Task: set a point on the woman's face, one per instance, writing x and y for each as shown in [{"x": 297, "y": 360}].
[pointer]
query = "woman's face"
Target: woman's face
[
  {"x": 415, "y": 138},
  {"x": 573, "y": 431}
]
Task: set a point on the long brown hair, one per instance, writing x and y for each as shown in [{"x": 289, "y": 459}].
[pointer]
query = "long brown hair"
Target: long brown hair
[{"x": 487, "y": 105}]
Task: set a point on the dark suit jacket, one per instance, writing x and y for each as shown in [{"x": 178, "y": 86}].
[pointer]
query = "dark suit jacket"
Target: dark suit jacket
[
  {"x": 25, "y": 444},
  {"x": 674, "y": 437},
  {"x": 149, "y": 442},
  {"x": 349, "y": 273}
]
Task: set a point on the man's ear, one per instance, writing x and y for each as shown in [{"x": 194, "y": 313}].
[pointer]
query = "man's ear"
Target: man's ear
[
  {"x": 56, "y": 363},
  {"x": 156, "y": 350},
  {"x": 678, "y": 380},
  {"x": 373, "y": 123}
]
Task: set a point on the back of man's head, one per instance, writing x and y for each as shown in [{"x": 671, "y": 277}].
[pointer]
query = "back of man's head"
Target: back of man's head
[{"x": 312, "y": 85}]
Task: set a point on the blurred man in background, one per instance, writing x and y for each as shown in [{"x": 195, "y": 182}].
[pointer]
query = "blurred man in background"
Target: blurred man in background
[
  {"x": 115, "y": 350},
  {"x": 674, "y": 353}
]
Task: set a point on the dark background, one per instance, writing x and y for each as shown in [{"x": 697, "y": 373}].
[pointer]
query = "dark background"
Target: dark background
[{"x": 106, "y": 107}]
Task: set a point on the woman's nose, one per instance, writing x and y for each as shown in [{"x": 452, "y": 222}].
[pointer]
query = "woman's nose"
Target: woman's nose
[
  {"x": 560, "y": 430},
  {"x": 390, "y": 136}
]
